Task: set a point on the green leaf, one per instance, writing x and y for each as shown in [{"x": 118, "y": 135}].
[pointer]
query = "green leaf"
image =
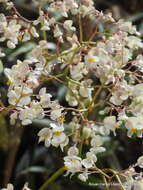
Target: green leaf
[
  {"x": 33, "y": 169},
  {"x": 23, "y": 49}
]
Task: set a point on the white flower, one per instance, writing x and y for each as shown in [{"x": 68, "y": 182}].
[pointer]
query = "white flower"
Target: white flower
[
  {"x": 73, "y": 151},
  {"x": 45, "y": 134},
  {"x": 10, "y": 44},
  {"x": 137, "y": 90},
  {"x": 28, "y": 114},
  {"x": 13, "y": 118},
  {"x": 85, "y": 90},
  {"x": 9, "y": 187},
  {"x": 3, "y": 22},
  {"x": 134, "y": 125},
  {"x": 26, "y": 187},
  {"x": 26, "y": 36},
  {"x": 140, "y": 161},
  {"x": 89, "y": 161},
  {"x": 91, "y": 60},
  {"x": 97, "y": 150},
  {"x": 54, "y": 136},
  {"x": 96, "y": 141},
  {"x": 138, "y": 62},
  {"x": 58, "y": 135},
  {"x": 55, "y": 114},
  {"x": 46, "y": 25},
  {"x": 126, "y": 27},
  {"x": 121, "y": 93},
  {"x": 72, "y": 5},
  {"x": 10, "y": 32},
  {"x": 71, "y": 99},
  {"x": 72, "y": 164},
  {"x": 58, "y": 33},
  {"x": 20, "y": 96},
  {"x": 56, "y": 111},
  {"x": 78, "y": 71},
  {"x": 83, "y": 176},
  {"x": 110, "y": 124},
  {"x": 44, "y": 98},
  {"x": 138, "y": 184},
  {"x": 68, "y": 25},
  {"x": 134, "y": 42},
  {"x": 122, "y": 115},
  {"x": 58, "y": 7},
  {"x": 86, "y": 132},
  {"x": 1, "y": 53},
  {"x": 14, "y": 74},
  {"x": 34, "y": 32},
  {"x": 64, "y": 143},
  {"x": 37, "y": 54}
]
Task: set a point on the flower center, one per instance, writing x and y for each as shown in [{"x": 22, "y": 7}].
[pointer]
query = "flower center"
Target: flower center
[
  {"x": 57, "y": 133},
  {"x": 133, "y": 130},
  {"x": 91, "y": 59}
]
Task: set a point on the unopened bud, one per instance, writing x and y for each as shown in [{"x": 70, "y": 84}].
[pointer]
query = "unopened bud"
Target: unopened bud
[{"x": 86, "y": 132}]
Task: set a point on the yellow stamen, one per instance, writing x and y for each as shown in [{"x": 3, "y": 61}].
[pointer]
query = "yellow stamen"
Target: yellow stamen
[
  {"x": 61, "y": 119},
  {"x": 116, "y": 126},
  {"x": 91, "y": 59},
  {"x": 57, "y": 133},
  {"x": 9, "y": 82},
  {"x": 66, "y": 168},
  {"x": 134, "y": 130}
]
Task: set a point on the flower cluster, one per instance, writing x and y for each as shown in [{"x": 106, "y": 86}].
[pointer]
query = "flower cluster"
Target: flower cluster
[{"x": 103, "y": 70}]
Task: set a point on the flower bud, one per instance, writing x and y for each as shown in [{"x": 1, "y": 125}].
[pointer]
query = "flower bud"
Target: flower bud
[
  {"x": 83, "y": 177},
  {"x": 86, "y": 132}
]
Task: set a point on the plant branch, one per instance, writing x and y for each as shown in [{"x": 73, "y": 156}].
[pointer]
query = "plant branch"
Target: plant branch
[{"x": 52, "y": 178}]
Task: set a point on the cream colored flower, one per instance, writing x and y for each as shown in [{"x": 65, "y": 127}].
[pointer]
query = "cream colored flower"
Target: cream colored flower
[
  {"x": 20, "y": 96},
  {"x": 45, "y": 135},
  {"x": 9, "y": 187},
  {"x": 140, "y": 161},
  {"x": 44, "y": 98},
  {"x": 110, "y": 124},
  {"x": 134, "y": 125},
  {"x": 72, "y": 164},
  {"x": 90, "y": 160},
  {"x": 54, "y": 136}
]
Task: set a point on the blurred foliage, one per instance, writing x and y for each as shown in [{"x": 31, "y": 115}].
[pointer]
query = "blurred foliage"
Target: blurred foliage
[{"x": 34, "y": 163}]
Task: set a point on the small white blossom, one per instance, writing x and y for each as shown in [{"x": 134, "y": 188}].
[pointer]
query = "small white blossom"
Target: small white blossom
[
  {"x": 134, "y": 125},
  {"x": 73, "y": 151},
  {"x": 44, "y": 98},
  {"x": 54, "y": 136},
  {"x": 140, "y": 161},
  {"x": 28, "y": 114},
  {"x": 34, "y": 32},
  {"x": 13, "y": 118},
  {"x": 72, "y": 164},
  {"x": 20, "y": 96},
  {"x": 83, "y": 176},
  {"x": 110, "y": 124},
  {"x": 9, "y": 187},
  {"x": 68, "y": 25},
  {"x": 89, "y": 161},
  {"x": 45, "y": 134}
]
